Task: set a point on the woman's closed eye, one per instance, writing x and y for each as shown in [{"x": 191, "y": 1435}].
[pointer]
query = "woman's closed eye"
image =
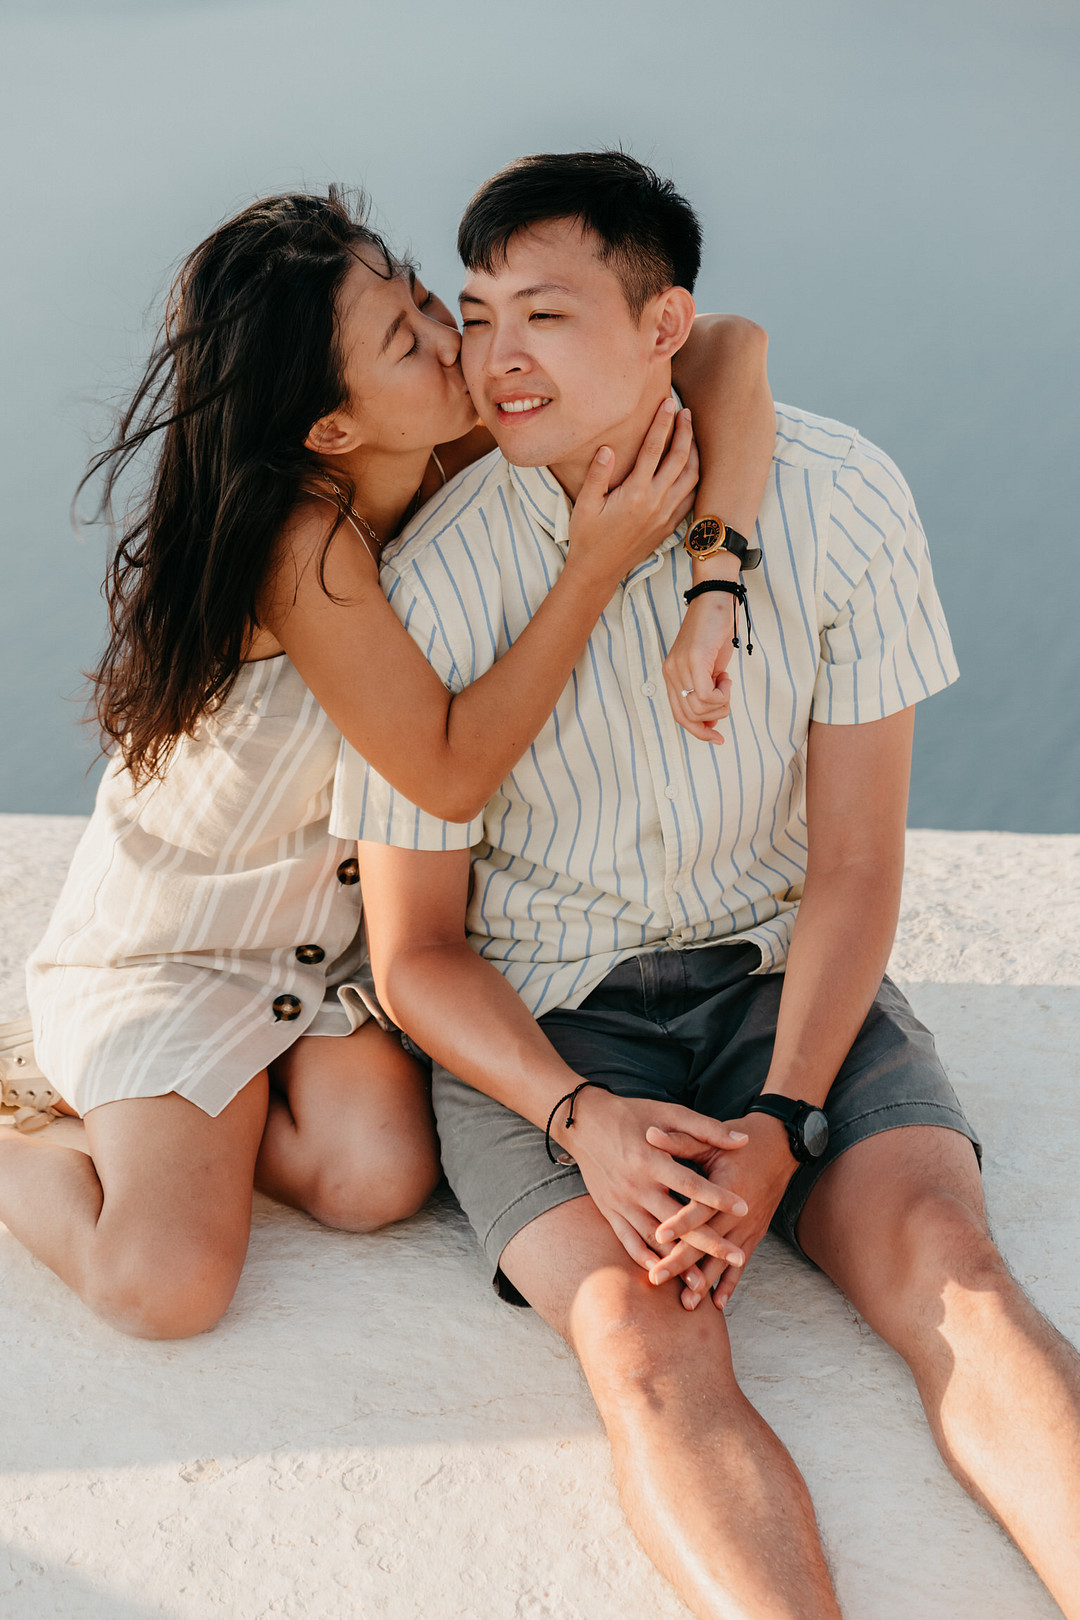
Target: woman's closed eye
[{"x": 422, "y": 306}]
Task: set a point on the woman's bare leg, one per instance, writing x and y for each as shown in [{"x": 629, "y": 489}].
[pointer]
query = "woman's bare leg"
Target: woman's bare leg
[
  {"x": 350, "y": 1136},
  {"x": 152, "y": 1228}
]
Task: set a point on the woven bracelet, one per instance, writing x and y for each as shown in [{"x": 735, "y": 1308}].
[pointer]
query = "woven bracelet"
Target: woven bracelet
[
  {"x": 571, "y": 1098},
  {"x": 730, "y": 587}
]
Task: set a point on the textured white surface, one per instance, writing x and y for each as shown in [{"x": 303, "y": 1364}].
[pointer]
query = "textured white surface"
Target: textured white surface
[{"x": 371, "y": 1433}]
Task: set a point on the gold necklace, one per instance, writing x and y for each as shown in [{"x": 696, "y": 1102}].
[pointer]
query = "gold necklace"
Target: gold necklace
[
  {"x": 410, "y": 512},
  {"x": 357, "y": 518}
]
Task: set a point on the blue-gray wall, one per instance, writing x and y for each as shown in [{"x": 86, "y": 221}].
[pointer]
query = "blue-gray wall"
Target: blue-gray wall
[{"x": 890, "y": 188}]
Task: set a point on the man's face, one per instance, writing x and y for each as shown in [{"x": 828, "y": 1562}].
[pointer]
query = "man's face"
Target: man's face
[{"x": 555, "y": 362}]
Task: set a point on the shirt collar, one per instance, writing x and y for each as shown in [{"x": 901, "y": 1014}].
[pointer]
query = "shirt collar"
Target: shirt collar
[{"x": 544, "y": 499}]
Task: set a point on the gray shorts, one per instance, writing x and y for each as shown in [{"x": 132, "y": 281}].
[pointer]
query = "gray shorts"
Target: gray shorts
[{"x": 692, "y": 1027}]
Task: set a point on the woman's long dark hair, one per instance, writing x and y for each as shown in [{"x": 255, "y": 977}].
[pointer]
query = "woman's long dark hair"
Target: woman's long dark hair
[{"x": 247, "y": 360}]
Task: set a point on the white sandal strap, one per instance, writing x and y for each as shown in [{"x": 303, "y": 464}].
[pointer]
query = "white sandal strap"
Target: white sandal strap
[{"x": 27, "y": 1120}]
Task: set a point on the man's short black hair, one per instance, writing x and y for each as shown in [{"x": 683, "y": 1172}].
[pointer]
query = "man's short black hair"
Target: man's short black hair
[{"x": 645, "y": 231}]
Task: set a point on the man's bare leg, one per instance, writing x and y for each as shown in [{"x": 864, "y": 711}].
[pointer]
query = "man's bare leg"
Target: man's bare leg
[
  {"x": 712, "y": 1495},
  {"x": 898, "y": 1223},
  {"x": 151, "y": 1228}
]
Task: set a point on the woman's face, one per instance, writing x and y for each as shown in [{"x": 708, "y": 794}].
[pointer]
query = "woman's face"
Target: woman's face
[{"x": 400, "y": 346}]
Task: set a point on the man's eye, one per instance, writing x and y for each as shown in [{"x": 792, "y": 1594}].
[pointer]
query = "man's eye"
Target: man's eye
[
  {"x": 544, "y": 315},
  {"x": 466, "y": 324}
]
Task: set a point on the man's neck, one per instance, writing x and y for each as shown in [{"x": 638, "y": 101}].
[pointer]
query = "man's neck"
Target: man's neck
[{"x": 623, "y": 437}]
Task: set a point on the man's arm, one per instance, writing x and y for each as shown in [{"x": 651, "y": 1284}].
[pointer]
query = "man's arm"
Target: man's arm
[
  {"x": 463, "y": 1012},
  {"x": 856, "y": 810}
]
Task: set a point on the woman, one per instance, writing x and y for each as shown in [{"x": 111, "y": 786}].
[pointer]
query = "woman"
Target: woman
[{"x": 208, "y": 932}]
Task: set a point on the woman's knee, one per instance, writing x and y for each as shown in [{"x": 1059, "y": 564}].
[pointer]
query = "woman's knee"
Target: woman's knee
[
  {"x": 363, "y": 1195},
  {"x": 172, "y": 1291}
]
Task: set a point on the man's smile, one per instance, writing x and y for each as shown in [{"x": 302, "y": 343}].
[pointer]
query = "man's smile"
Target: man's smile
[{"x": 521, "y": 406}]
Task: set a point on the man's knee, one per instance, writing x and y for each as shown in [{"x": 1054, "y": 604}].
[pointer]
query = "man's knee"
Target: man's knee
[
  {"x": 948, "y": 1262},
  {"x": 638, "y": 1343},
  {"x": 172, "y": 1290}
]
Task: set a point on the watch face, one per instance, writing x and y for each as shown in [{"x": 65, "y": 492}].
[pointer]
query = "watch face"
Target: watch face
[
  {"x": 815, "y": 1133},
  {"x": 705, "y": 535}
]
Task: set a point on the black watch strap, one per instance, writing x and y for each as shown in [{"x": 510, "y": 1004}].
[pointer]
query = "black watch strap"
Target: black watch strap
[
  {"x": 749, "y": 556},
  {"x": 793, "y": 1113}
]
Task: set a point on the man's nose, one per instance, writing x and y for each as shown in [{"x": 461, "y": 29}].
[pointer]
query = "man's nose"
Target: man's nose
[{"x": 504, "y": 355}]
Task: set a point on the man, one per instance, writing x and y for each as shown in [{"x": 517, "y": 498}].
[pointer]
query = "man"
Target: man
[{"x": 699, "y": 932}]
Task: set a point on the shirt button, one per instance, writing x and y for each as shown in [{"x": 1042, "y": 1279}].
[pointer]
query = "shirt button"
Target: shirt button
[
  {"x": 649, "y": 689},
  {"x": 349, "y": 871},
  {"x": 671, "y": 792},
  {"x": 286, "y": 1008},
  {"x": 310, "y": 954}
]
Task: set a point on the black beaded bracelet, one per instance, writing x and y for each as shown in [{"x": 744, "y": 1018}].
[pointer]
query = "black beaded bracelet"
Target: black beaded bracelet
[
  {"x": 730, "y": 587},
  {"x": 571, "y": 1098}
]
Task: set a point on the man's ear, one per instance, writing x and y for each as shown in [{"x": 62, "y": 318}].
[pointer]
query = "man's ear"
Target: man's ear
[
  {"x": 332, "y": 435},
  {"x": 674, "y": 316}
]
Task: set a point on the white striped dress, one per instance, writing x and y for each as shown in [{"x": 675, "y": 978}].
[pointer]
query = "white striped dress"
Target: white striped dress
[{"x": 209, "y": 918}]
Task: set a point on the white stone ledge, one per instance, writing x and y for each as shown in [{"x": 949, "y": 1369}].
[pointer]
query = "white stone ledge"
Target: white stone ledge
[{"x": 370, "y": 1433}]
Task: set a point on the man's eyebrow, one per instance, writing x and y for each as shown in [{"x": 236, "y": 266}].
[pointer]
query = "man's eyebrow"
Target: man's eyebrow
[
  {"x": 525, "y": 292},
  {"x": 392, "y": 332}
]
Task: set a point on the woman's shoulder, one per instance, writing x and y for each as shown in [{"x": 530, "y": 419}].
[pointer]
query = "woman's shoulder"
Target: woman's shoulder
[
  {"x": 310, "y": 556},
  {"x": 308, "y": 525}
]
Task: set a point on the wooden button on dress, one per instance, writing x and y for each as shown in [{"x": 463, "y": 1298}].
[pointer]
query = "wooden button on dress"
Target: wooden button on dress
[
  {"x": 286, "y": 1008},
  {"x": 310, "y": 954},
  {"x": 349, "y": 871}
]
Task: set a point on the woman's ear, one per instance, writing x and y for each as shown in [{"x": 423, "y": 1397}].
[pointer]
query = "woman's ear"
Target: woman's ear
[
  {"x": 674, "y": 317},
  {"x": 332, "y": 435}
]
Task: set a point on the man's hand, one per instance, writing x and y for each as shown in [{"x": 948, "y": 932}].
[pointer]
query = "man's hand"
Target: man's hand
[
  {"x": 631, "y": 1179},
  {"x": 758, "y": 1174},
  {"x": 697, "y": 665}
]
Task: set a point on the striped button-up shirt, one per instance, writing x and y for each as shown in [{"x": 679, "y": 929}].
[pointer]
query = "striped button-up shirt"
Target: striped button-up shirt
[{"x": 618, "y": 832}]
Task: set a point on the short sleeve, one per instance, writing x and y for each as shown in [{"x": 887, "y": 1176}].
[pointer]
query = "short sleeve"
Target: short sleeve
[
  {"x": 884, "y": 640},
  {"x": 364, "y": 805}
]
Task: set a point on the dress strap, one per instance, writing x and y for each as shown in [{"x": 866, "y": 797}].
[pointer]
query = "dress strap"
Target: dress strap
[{"x": 438, "y": 463}]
